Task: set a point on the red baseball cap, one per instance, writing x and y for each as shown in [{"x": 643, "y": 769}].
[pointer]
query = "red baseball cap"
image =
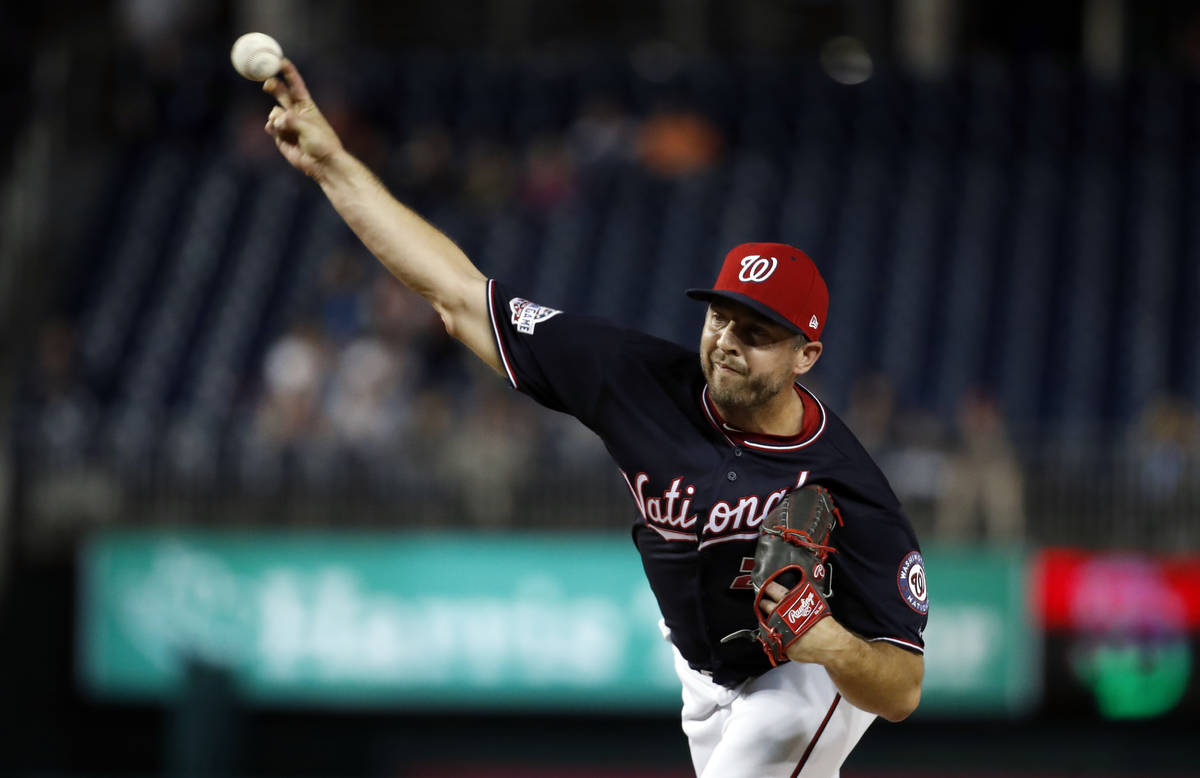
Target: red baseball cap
[{"x": 777, "y": 280}]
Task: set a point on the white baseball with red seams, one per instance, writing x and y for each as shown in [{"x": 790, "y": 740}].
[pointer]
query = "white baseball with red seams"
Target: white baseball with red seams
[{"x": 256, "y": 56}]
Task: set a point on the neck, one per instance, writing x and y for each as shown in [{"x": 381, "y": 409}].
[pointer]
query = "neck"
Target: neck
[{"x": 782, "y": 415}]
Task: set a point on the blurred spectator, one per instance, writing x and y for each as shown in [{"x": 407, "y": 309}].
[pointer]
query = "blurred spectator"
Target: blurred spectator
[
  {"x": 602, "y": 134},
  {"x": 365, "y": 406},
  {"x": 490, "y": 176},
  {"x": 67, "y": 487},
  {"x": 915, "y": 464},
  {"x": 156, "y": 25},
  {"x": 678, "y": 142},
  {"x": 425, "y": 162},
  {"x": 982, "y": 478},
  {"x": 908, "y": 445},
  {"x": 341, "y": 293},
  {"x": 548, "y": 176},
  {"x": 1165, "y": 448},
  {"x": 872, "y": 405},
  {"x": 294, "y": 375},
  {"x": 489, "y": 453},
  {"x": 418, "y": 471},
  {"x": 1166, "y": 436},
  {"x": 398, "y": 314},
  {"x": 168, "y": 82},
  {"x": 358, "y": 134},
  {"x": 246, "y": 134},
  {"x": 65, "y": 409}
]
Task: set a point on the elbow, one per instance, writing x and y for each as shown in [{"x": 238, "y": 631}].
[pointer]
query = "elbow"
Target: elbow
[
  {"x": 453, "y": 311},
  {"x": 458, "y": 306},
  {"x": 449, "y": 321},
  {"x": 903, "y": 706}
]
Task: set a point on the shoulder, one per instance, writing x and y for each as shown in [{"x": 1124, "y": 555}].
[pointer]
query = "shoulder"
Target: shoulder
[
  {"x": 527, "y": 316},
  {"x": 566, "y": 343}
]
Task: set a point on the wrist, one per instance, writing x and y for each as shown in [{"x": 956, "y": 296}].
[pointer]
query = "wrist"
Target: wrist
[
  {"x": 829, "y": 644},
  {"x": 844, "y": 650},
  {"x": 337, "y": 170}
]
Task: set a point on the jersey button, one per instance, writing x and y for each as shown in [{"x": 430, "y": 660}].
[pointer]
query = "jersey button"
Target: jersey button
[
  {"x": 737, "y": 452},
  {"x": 732, "y": 476}
]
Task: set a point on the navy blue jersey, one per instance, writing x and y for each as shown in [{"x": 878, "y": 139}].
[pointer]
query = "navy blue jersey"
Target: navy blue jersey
[{"x": 701, "y": 488}]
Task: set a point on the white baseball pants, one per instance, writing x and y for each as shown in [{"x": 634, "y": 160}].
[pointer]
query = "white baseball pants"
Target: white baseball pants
[{"x": 789, "y": 722}]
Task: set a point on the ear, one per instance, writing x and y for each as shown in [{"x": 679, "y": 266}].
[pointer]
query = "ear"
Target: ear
[{"x": 806, "y": 357}]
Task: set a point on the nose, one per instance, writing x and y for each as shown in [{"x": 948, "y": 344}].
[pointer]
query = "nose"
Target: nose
[{"x": 726, "y": 341}]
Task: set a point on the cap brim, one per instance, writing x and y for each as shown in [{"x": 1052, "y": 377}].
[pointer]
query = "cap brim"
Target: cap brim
[{"x": 708, "y": 295}]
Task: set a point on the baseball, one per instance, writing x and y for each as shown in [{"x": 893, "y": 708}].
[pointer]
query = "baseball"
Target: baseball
[{"x": 256, "y": 56}]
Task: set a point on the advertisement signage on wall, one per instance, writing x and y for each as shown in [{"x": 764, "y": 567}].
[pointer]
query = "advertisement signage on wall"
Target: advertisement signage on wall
[
  {"x": 982, "y": 650},
  {"x": 336, "y": 618},
  {"x": 1121, "y": 631},
  {"x": 523, "y": 621}
]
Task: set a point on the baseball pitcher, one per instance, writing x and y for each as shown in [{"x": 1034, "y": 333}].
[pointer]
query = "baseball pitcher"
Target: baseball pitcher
[{"x": 790, "y": 582}]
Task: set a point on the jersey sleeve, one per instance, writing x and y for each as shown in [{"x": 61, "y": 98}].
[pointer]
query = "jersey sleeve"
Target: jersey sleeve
[
  {"x": 879, "y": 586},
  {"x": 561, "y": 360}
]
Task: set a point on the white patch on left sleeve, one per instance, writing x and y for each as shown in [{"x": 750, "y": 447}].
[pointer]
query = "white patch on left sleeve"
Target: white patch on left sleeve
[{"x": 527, "y": 315}]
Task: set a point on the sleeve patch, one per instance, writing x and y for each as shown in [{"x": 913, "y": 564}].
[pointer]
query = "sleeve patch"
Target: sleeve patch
[
  {"x": 527, "y": 315},
  {"x": 910, "y": 579}
]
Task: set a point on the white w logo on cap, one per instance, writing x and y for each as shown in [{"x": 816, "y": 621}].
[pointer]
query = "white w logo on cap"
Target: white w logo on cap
[{"x": 756, "y": 269}]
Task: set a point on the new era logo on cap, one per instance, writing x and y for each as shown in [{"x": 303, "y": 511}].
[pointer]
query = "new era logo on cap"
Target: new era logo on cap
[{"x": 777, "y": 280}]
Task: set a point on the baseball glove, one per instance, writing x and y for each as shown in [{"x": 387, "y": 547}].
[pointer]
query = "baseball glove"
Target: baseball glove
[{"x": 793, "y": 543}]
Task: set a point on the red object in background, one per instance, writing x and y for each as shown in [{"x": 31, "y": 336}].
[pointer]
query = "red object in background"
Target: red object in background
[{"x": 1060, "y": 575}]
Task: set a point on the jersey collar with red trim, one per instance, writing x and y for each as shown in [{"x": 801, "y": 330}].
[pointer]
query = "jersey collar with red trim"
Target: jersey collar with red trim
[{"x": 811, "y": 427}]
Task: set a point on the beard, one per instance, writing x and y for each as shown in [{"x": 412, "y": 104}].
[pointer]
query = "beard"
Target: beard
[{"x": 738, "y": 390}]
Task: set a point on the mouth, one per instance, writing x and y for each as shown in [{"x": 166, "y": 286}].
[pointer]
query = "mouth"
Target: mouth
[{"x": 721, "y": 367}]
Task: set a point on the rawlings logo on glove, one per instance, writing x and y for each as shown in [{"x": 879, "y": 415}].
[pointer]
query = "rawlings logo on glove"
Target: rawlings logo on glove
[
  {"x": 793, "y": 544},
  {"x": 795, "y": 616}
]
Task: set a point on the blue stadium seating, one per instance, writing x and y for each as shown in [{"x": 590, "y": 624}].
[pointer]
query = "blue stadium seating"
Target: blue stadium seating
[{"x": 1016, "y": 227}]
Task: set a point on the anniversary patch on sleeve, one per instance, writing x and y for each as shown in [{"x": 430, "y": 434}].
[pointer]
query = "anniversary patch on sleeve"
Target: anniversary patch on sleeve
[
  {"x": 910, "y": 579},
  {"x": 527, "y": 315}
]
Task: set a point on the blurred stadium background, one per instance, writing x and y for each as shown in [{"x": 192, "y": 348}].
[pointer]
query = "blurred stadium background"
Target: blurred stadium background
[{"x": 243, "y": 475}]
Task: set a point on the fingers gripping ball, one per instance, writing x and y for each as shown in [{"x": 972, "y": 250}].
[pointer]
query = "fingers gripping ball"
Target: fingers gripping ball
[
  {"x": 256, "y": 56},
  {"x": 793, "y": 544}
]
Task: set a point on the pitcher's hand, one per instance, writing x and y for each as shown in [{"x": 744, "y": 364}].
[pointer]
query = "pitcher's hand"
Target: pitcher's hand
[{"x": 301, "y": 133}]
